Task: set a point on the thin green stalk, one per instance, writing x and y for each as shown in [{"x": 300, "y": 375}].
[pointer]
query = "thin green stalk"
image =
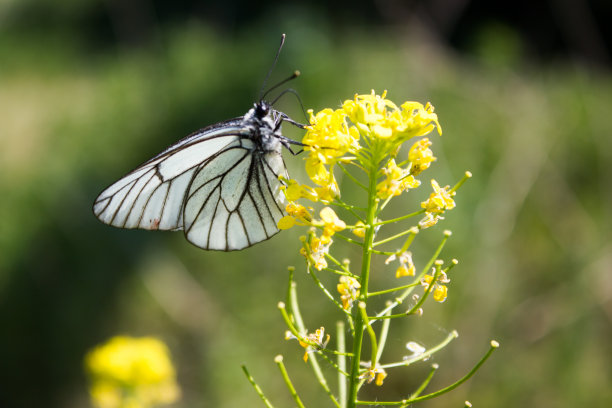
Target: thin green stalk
[
  {"x": 408, "y": 291},
  {"x": 314, "y": 276},
  {"x": 373, "y": 342},
  {"x": 384, "y": 292},
  {"x": 393, "y": 237},
  {"x": 425, "y": 355},
  {"x": 279, "y": 361},
  {"x": 494, "y": 346},
  {"x": 300, "y": 336},
  {"x": 465, "y": 177},
  {"x": 388, "y": 253},
  {"x": 364, "y": 280},
  {"x": 425, "y": 383},
  {"x": 384, "y": 331},
  {"x": 258, "y": 390},
  {"x": 347, "y": 239},
  {"x": 404, "y": 217},
  {"x": 314, "y": 364},
  {"x": 427, "y": 291},
  {"x": 341, "y": 345},
  {"x": 349, "y": 175},
  {"x": 341, "y": 265}
]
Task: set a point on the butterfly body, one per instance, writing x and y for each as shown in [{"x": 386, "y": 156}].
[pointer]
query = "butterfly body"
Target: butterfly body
[{"x": 220, "y": 184}]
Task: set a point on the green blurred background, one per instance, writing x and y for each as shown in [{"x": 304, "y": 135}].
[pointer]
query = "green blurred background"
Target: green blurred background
[{"x": 89, "y": 89}]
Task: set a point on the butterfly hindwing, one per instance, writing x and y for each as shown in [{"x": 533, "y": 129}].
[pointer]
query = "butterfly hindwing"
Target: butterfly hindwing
[{"x": 234, "y": 199}]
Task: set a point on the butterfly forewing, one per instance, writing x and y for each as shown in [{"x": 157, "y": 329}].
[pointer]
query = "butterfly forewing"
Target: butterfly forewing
[{"x": 152, "y": 196}]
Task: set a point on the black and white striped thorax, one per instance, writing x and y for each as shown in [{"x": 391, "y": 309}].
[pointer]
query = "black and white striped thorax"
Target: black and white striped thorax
[{"x": 220, "y": 184}]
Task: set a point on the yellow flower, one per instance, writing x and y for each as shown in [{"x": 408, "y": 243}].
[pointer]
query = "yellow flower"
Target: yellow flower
[
  {"x": 294, "y": 191},
  {"x": 420, "y": 156},
  {"x": 429, "y": 220},
  {"x": 331, "y": 223},
  {"x": 297, "y": 215},
  {"x": 374, "y": 373},
  {"x": 440, "y": 200},
  {"x": 360, "y": 230},
  {"x": 135, "y": 372},
  {"x": 315, "y": 251},
  {"x": 397, "y": 180},
  {"x": 349, "y": 291},
  {"x": 316, "y": 338},
  {"x": 440, "y": 291},
  {"x": 406, "y": 267},
  {"x": 328, "y": 136}
]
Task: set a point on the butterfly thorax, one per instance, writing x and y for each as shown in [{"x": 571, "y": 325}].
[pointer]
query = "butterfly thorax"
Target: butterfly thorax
[{"x": 262, "y": 125}]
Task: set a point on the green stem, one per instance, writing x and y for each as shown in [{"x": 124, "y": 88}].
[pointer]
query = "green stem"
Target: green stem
[
  {"x": 290, "y": 387},
  {"x": 258, "y": 390},
  {"x": 364, "y": 280}
]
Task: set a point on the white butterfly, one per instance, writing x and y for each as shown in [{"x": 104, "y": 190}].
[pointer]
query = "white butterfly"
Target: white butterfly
[{"x": 220, "y": 185}]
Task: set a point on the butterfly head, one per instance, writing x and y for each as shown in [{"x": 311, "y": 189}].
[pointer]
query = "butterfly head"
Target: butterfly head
[{"x": 262, "y": 109}]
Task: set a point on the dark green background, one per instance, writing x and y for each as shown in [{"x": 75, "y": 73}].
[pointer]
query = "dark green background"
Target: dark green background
[{"x": 90, "y": 89}]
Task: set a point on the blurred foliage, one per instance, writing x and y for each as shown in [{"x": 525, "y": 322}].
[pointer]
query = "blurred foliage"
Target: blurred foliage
[{"x": 532, "y": 229}]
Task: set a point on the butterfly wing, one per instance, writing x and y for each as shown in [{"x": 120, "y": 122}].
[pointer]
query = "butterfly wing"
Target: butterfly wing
[
  {"x": 235, "y": 200},
  {"x": 153, "y": 195}
]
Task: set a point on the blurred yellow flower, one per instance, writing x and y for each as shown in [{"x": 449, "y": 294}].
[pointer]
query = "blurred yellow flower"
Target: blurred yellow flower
[
  {"x": 377, "y": 373},
  {"x": 315, "y": 250},
  {"x": 131, "y": 372},
  {"x": 420, "y": 156},
  {"x": 297, "y": 215},
  {"x": 349, "y": 291},
  {"x": 360, "y": 230},
  {"x": 440, "y": 200},
  {"x": 439, "y": 290},
  {"x": 294, "y": 191},
  {"x": 317, "y": 338},
  {"x": 331, "y": 224},
  {"x": 397, "y": 180}
]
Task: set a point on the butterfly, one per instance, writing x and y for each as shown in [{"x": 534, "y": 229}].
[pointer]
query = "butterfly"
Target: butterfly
[{"x": 221, "y": 185}]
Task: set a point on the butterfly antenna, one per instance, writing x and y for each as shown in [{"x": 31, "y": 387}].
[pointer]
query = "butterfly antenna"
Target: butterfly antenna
[
  {"x": 294, "y": 92},
  {"x": 263, "y": 86},
  {"x": 293, "y": 76}
]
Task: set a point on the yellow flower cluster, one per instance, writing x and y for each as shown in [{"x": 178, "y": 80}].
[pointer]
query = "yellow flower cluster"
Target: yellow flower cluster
[
  {"x": 334, "y": 136},
  {"x": 131, "y": 372},
  {"x": 379, "y": 118},
  {"x": 440, "y": 290},
  {"x": 349, "y": 291}
]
